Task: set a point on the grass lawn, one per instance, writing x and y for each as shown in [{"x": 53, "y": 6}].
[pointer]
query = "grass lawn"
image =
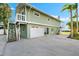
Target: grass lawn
[
  {"x": 76, "y": 37},
  {"x": 67, "y": 33}
]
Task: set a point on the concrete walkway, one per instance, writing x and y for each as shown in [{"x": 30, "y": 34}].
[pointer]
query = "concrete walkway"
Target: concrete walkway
[
  {"x": 3, "y": 40},
  {"x": 55, "y": 45}
]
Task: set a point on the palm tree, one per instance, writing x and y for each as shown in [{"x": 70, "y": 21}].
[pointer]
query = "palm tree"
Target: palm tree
[
  {"x": 74, "y": 26},
  {"x": 69, "y": 8},
  {"x": 5, "y": 14},
  {"x": 76, "y": 15}
]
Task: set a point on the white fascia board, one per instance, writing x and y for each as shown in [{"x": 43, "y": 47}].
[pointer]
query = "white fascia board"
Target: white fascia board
[
  {"x": 29, "y": 22},
  {"x": 41, "y": 24}
]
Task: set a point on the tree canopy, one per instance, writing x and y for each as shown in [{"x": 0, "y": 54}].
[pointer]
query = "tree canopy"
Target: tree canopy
[{"x": 5, "y": 13}]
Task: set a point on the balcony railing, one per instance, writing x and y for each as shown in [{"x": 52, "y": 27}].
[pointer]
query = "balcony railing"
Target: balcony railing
[{"x": 20, "y": 17}]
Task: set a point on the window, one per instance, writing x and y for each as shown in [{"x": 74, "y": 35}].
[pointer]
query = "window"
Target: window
[
  {"x": 36, "y": 13},
  {"x": 23, "y": 18},
  {"x": 23, "y": 13},
  {"x": 19, "y": 17},
  {"x": 48, "y": 19}
]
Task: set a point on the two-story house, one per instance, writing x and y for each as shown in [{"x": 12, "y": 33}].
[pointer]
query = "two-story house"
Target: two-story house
[{"x": 34, "y": 23}]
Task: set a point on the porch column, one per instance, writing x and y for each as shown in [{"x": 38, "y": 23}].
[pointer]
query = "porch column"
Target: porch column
[
  {"x": 28, "y": 30},
  {"x": 17, "y": 30}
]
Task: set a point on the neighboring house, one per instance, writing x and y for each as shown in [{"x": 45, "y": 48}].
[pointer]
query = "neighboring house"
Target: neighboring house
[
  {"x": 1, "y": 28},
  {"x": 32, "y": 22}
]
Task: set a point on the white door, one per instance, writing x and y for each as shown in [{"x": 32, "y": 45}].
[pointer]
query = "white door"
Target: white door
[{"x": 36, "y": 32}]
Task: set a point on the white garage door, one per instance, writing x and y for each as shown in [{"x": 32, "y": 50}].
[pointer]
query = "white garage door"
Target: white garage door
[{"x": 36, "y": 32}]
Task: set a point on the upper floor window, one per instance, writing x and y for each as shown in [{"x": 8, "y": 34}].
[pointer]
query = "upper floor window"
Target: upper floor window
[
  {"x": 23, "y": 13},
  {"x": 36, "y": 13},
  {"x": 19, "y": 17},
  {"x": 23, "y": 18}
]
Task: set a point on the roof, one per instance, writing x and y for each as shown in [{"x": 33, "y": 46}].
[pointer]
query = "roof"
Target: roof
[{"x": 29, "y": 5}]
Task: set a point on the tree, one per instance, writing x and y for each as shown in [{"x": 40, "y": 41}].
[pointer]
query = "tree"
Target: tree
[
  {"x": 5, "y": 14},
  {"x": 69, "y": 8},
  {"x": 76, "y": 15},
  {"x": 74, "y": 27}
]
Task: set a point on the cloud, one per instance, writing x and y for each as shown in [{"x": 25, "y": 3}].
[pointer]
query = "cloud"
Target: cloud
[
  {"x": 54, "y": 16},
  {"x": 65, "y": 28},
  {"x": 12, "y": 8},
  {"x": 64, "y": 19},
  {"x": 63, "y": 24}
]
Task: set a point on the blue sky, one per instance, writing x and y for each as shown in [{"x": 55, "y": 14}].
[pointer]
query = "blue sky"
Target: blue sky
[
  {"x": 53, "y": 9},
  {"x": 49, "y": 8}
]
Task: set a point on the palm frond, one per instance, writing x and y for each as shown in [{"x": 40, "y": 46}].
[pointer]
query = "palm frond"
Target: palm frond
[
  {"x": 66, "y": 7},
  {"x": 75, "y": 6},
  {"x": 74, "y": 16}
]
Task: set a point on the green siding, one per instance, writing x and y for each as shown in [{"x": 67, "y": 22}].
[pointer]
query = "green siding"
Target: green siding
[
  {"x": 50, "y": 30},
  {"x": 43, "y": 19}
]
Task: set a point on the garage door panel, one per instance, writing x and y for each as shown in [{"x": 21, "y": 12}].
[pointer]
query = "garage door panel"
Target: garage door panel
[{"x": 36, "y": 32}]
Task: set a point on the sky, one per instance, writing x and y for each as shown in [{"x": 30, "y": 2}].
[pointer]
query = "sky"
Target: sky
[{"x": 53, "y": 9}]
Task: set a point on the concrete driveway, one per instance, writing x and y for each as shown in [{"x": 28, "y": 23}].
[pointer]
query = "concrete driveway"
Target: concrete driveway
[
  {"x": 54, "y": 45},
  {"x": 3, "y": 40}
]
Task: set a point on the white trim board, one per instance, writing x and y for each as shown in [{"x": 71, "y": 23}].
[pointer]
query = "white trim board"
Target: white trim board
[{"x": 29, "y": 22}]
